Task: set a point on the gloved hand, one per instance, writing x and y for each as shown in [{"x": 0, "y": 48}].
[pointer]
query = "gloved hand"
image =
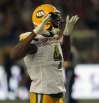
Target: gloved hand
[
  {"x": 70, "y": 23},
  {"x": 39, "y": 29}
]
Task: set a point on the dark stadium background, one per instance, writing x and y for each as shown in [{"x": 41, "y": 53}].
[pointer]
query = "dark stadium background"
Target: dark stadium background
[{"x": 15, "y": 18}]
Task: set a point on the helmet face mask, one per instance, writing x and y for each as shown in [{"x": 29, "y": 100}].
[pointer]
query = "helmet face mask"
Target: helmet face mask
[{"x": 56, "y": 19}]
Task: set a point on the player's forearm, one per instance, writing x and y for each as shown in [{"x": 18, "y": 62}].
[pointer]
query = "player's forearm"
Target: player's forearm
[
  {"x": 66, "y": 45},
  {"x": 21, "y": 49}
]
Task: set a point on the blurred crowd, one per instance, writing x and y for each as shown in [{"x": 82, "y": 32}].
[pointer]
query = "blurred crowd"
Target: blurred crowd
[{"x": 15, "y": 18}]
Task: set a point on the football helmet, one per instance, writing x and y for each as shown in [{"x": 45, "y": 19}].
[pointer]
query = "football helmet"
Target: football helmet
[{"x": 42, "y": 11}]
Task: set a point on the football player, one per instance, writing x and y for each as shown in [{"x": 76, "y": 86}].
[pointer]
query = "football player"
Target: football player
[{"x": 43, "y": 50}]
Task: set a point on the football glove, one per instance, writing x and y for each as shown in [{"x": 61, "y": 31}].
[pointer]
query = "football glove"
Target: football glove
[
  {"x": 40, "y": 28},
  {"x": 70, "y": 23}
]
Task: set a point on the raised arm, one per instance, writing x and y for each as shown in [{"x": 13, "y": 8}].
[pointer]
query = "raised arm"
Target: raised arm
[
  {"x": 66, "y": 44},
  {"x": 22, "y": 48}
]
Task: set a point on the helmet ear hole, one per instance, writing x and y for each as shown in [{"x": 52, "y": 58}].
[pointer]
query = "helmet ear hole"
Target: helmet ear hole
[{"x": 41, "y": 12}]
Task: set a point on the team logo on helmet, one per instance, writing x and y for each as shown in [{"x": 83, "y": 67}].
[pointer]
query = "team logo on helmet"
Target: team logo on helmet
[{"x": 40, "y": 14}]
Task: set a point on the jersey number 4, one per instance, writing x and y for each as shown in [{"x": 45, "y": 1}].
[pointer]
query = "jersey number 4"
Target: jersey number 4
[{"x": 57, "y": 56}]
